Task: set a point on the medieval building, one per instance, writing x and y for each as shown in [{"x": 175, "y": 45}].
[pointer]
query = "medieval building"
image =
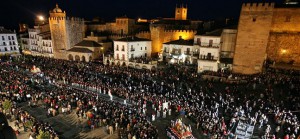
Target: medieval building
[
  {"x": 266, "y": 31},
  {"x": 65, "y": 32}
]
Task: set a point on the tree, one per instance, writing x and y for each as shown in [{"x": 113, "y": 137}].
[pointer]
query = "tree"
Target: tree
[
  {"x": 43, "y": 135},
  {"x": 7, "y": 104}
]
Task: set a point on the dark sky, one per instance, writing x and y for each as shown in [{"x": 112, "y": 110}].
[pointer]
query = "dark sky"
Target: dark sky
[{"x": 24, "y": 11}]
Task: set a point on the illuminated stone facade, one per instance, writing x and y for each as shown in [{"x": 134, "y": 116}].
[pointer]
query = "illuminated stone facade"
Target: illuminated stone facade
[
  {"x": 266, "y": 30},
  {"x": 181, "y": 13},
  {"x": 252, "y": 37},
  {"x": 65, "y": 32},
  {"x": 284, "y": 44}
]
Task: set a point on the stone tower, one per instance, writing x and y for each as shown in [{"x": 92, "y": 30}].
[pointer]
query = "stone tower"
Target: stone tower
[
  {"x": 157, "y": 35},
  {"x": 181, "y": 13},
  {"x": 252, "y": 37},
  {"x": 65, "y": 32}
]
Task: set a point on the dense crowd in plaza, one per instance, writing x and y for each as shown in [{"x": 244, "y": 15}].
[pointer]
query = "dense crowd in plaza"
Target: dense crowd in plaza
[{"x": 269, "y": 100}]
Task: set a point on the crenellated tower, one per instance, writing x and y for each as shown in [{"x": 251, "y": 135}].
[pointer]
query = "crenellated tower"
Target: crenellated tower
[
  {"x": 252, "y": 37},
  {"x": 181, "y": 12},
  {"x": 65, "y": 31}
]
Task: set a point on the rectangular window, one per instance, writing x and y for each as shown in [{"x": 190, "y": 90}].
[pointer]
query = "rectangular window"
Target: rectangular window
[
  {"x": 198, "y": 41},
  {"x": 12, "y": 37},
  {"x": 3, "y": 38},
  {"x": 123, "y": 56},
  {"x": 141, "y": 48},
  {"x": 123, "y": 48},
  {"x": 210, "y": 42},
  {"x": 117, "y": 56},
  {"x": 8, "y": 37},
  {"x": 117, "y": 48},
  {"x": 145, "y": 54},
  {"x": 145, "y": 48},
  {"x": 4, "y": 43}
]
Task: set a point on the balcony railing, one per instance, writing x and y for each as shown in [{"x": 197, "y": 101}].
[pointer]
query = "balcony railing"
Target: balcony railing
[
  {"x": 123, "y": 49},
  {"x": 209, "y": 58},
  {"x": 132, "y": 49}
]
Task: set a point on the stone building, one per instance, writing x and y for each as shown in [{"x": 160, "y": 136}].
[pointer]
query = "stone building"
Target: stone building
[
  {"x": 121, "y": 26},
  {"x": 85, "y": 51},
  {"x": 181, "y": 13},
  {"x": 252, "y": 37},
  {"x": 8, "y": 42},
  {"x": 65, "y": 32},
  {"x": 266, "y": 31}
]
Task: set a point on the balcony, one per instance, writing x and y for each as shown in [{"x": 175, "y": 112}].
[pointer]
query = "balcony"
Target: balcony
[
  {"x": 176, "y": 53},
  {"x": 132, "y": 49},
  {"x": 123, "y": 49},
  {"x": 208, "y": 58}
]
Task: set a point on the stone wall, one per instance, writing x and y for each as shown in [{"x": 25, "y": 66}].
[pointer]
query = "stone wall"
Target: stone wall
[
  {"x": 159, "y": 36},
  {"x": 284, "y": 47},
  {"x": 252, "y": 37},
  {"x": 286, "y": 20}
]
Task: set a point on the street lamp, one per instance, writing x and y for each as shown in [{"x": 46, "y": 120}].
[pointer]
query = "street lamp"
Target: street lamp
[{"x": 41, "y": 18}]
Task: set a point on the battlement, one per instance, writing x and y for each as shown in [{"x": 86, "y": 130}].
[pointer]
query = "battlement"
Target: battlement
[
  {"x": 186, "y": 30},
  {"x": 66, "y": 18},
  {"x": 258, "y": 6},
  {"x": 143, "y": 32}
]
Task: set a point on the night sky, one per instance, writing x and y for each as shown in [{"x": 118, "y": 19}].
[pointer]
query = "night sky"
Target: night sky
[{"x": 25, "y": 11}]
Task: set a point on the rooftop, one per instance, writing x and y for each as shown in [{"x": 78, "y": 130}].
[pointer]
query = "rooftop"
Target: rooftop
[
  {"x": 216, "y": 32},
  {"x": 132, "y": 39},
  {"x": 5, "y": 31},
  {"x": 81, "y": 50},
  {"x": 88, "y": 43},
  {"x": 182, "y": 42}
]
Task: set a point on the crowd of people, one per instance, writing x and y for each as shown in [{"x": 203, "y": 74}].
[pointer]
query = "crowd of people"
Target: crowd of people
[{"x": 269, "y": 100}]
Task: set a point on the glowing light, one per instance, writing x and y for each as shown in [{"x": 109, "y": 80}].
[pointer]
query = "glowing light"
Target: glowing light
[
  {"x": 283, "y": 51},
  {"x": 41, "y": 18},
  {"x": 172, "y": 61}
]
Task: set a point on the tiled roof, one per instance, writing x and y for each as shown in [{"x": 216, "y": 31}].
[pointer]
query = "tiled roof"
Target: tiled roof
[
  {"x": 182, "y": 42},
  {"x": 88, "y": 43},
  {"x": 132, "y": 39},
  {"x": 81, "y": 50}
]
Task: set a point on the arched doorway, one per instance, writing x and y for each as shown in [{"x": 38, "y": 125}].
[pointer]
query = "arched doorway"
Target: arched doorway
[
  {"x": 90, "y": 58},
  {"x": 124, "y": 64},
  {"x": 77, "y": 58},
  {"x": 71, "y": 58},
  {"x": 83, "y": 59}
]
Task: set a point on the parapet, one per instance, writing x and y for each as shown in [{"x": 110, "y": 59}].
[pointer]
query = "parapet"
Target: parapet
[
  {"x": 175, "y": 30},
  {"x": 258, "y": 6}
]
